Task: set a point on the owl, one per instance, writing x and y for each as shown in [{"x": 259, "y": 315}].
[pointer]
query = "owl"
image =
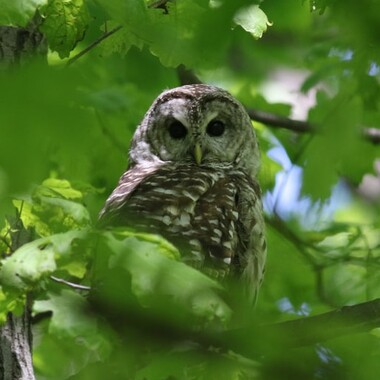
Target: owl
[{"x": 192, "y": 178}]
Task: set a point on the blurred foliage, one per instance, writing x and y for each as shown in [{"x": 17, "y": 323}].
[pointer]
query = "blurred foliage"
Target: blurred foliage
[{"x": 65, "y": 127}]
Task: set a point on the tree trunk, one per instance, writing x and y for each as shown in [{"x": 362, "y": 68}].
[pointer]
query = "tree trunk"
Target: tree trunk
[
  {"x": 19, "y": 45},
  {"x": 16, "y": 348},
  {"x": 16, "y": 361}
]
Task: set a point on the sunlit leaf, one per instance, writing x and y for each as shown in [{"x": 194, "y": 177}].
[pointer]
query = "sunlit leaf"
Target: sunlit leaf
[
  {"x": 253, "y": 20},
  {"x": 65, "y": 23},
  {"x": 36, "y": 260}
]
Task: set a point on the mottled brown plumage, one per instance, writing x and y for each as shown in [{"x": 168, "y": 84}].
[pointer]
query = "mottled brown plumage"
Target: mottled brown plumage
[{"x": 192, "y": 178}]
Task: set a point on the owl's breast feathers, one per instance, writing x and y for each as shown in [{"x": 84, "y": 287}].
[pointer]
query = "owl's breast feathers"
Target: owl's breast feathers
[{"x": 214, "y": 215}]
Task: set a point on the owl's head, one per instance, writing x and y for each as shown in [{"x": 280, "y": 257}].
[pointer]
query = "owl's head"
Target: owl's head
[{"x": 196, "y": 124}]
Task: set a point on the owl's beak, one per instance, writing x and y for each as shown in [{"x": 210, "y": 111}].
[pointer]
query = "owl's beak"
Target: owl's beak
[{"x": 198, "y": 153}]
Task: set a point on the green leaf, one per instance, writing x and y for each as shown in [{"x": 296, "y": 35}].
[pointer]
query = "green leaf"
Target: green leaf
[
  {"x": 179, "y": 36},
  {"x": 253, "y": 20},
  {"x": 346, "y": 284},
  {"x": 188, "y": 363},
  {"x": 174, "y": 35},
  {"x": 18, "y": 12},
  {"x": 57, "y": 136},
  {"x": 55, "y": 207},
  {"x": 296, "y": 283},
  {"x": 69, "y": 318},
  {"x": 131, "y": 12},
  {"x": 269, "y": 167},
  {"x": 58, "y": 188},
  {"x": 73, "y": 338},
  {"x": 34, "y": 261},
  {"x": 337, "y": 147},
  {"x": 268, "y": 171},
  {"x": 121, "y": 41},
  {"x": 65, "y": 24},
  {"x": 155, "y": 274}
]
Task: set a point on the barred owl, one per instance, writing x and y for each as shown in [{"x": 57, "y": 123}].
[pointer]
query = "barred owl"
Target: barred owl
[{"x": 192, "y": 178}]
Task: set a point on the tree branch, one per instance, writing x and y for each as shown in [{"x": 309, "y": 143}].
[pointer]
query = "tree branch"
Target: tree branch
[
  {"x": 308, "y": 331},
  {"x": 187, "y": 76},
  {"x": 153, "y": 326},
  {"x": 92, "y": 45},
  {"x": 277, "y": 121}
]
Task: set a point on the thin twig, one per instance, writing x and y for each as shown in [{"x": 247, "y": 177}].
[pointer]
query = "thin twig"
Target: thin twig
[
  {"x": 93, "y": 44},
  {"x": 70, "y": 284},
  {"x": 157, "y": 4}
]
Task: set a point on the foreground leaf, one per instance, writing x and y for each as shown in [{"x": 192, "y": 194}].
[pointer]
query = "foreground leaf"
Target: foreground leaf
[
  {"x": 155, "y": 277},
  {"x": 72, "y": 338},
  {"x": 34, "y": 261},
  {"x": 18, "y": 12}
]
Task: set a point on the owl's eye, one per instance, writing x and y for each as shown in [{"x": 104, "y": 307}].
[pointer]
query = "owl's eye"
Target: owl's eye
[
  {"x": 177, "y": 130},
  {"x": 215, "y": 128}
]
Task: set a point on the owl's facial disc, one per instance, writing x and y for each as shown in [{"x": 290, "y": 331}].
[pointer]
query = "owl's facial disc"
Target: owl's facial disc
[
  {"x": 184, "y": 130},
  {"x": 203, "y": 126}
]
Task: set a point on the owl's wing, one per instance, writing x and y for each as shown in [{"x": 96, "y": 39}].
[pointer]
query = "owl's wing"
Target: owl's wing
[
  {"x": 129, "y": 181},
  {"x": 251, "y": 232}
]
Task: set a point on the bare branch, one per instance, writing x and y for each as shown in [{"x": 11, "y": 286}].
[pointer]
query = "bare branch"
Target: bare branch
[
  {"x": 70, "y": 284},
  {"x": 308, "y": 331},
  {"x": 334, "y": 324},
  {"x": 277, "y": 121},
  {"x": 92, "y": 45},
  {"x": 187, "y": 76}
]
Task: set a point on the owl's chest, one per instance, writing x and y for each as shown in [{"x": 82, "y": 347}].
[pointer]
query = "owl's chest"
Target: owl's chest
[
  {"x": 179, "y": 195},
  {"x": 199, "y": 204}
]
